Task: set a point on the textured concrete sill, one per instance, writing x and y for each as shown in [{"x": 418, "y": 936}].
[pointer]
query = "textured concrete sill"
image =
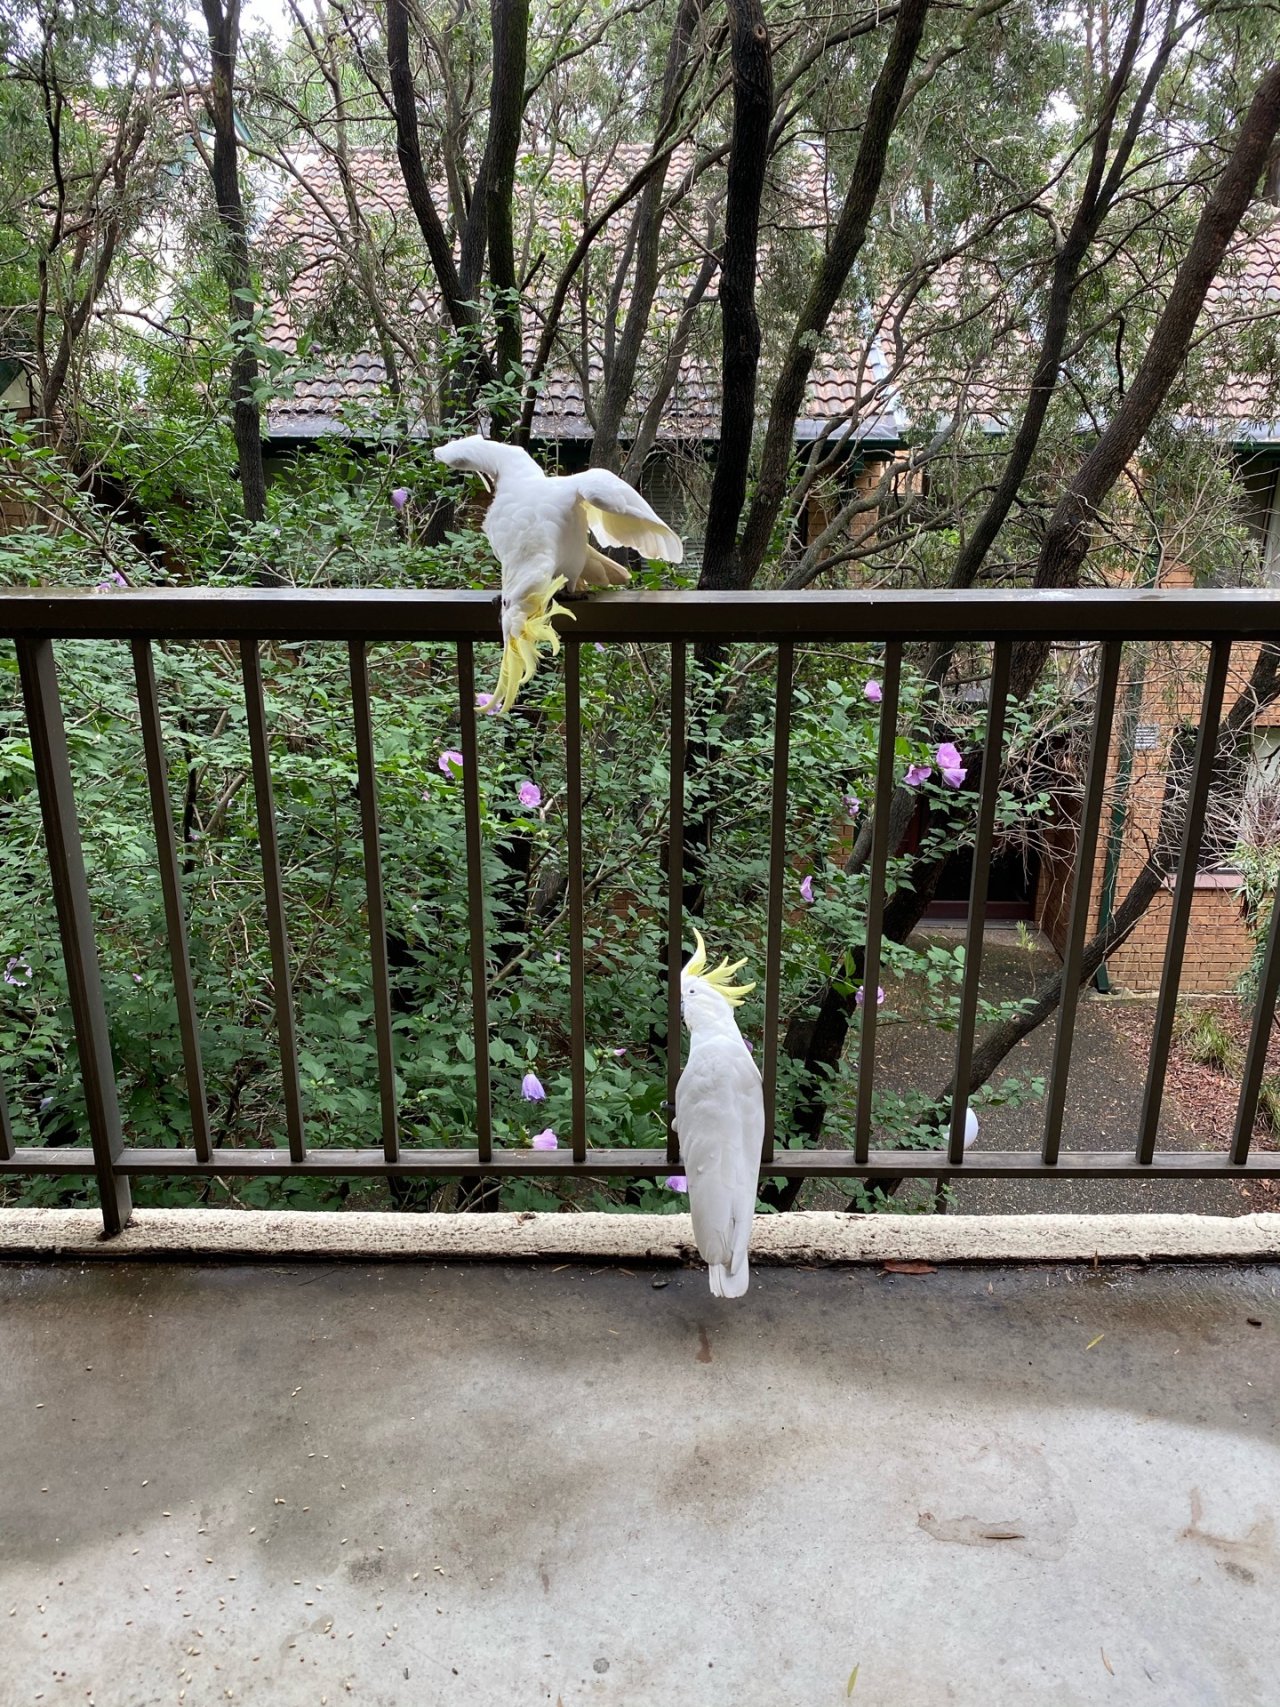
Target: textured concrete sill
[{"x": 205, "y": 1234}]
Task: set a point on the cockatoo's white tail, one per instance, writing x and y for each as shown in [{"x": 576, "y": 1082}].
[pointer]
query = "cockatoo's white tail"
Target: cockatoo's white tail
[{"x": 727, "y": 1285}]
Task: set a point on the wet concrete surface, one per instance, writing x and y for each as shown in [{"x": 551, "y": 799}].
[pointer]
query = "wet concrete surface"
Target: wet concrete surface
[
  {"x": 484, "y": 1484},
  {"x": 1104, "y": 1098}
]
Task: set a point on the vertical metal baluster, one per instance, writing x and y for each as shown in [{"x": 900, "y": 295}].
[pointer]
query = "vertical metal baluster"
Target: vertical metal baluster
[
  {"x": 144, "y": 675},
  {"x": 277, "y": 931},
  {"x": 1081, "y": 897},
  {"x": 75, "y": 924},
  {"x": 7, "y": 1146},
  {"x": 367, "y": 776},
  {"x": 777, "y": 861},
  {"x": 475, "y": 896},
  {"x": 992, "y": 757},
  {"x": 875, "y": 899},
  {"x": 675, "y": 890},
  {"x": 577, "y": 946},
  {"x": 1255, "y": 1061},
  {"x": 1183, "y": 895}
]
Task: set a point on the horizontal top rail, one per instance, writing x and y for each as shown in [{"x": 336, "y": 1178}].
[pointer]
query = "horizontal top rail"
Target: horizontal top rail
[{"x": 230, "y": 613}]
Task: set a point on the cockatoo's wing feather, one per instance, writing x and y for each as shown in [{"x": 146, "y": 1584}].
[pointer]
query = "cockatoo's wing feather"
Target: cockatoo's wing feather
[
  {"x": 601, "y": 571},
  {"x": 618, "y": 515}
]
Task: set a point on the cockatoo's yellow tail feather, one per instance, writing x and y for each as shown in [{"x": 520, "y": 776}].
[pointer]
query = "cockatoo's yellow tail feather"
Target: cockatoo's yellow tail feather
[
  {"x": 720, "y": 979},
  {"x": 520, "y": 654}
]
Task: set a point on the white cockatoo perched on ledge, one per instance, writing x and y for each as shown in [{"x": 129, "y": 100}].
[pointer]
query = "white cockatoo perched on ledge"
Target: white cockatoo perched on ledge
[
  {"x": 719, "y": 1117},
  {"x": 537, "y": 525}
]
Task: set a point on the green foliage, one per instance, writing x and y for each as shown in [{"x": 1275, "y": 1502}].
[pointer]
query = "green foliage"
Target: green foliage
[
  {"x": 1258, "y": 862},
  {"x": 1205, "y": 1038},
  {"x": 331, "y": 522}
]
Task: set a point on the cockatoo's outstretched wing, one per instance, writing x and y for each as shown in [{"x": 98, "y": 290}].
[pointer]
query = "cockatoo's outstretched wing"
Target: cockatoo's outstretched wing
[{"x": 618, "y": 515}]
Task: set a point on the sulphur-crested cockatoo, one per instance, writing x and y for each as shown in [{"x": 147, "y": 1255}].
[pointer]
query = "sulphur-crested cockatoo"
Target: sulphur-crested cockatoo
[
  {"x": 719, "y": 1118},
  {"x": 537, "y": 525}
]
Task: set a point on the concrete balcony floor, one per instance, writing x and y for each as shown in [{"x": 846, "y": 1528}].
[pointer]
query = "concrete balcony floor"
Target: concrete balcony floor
[{"x": 479, "y": 1484}]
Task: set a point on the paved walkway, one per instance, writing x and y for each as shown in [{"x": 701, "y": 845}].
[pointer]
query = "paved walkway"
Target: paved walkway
[
  {"x": 478, "y": 1485},
  {"x": 1104, "y": 1099}
]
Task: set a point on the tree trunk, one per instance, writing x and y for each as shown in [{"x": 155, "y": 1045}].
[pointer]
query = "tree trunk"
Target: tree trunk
[
  {"x": 223, "y": 22},
  {"x": 752, "y": 59},
  {"x": 846, "y": 241},
  {"x": 1070, "y": 528},
  {"x": 1095, "y": 201},
  {"x": 409, "y": 152},
  {"x": 647, "y": 229}
]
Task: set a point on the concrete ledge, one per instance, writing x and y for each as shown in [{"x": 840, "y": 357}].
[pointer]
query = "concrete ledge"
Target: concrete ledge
[{"x": 272, "y": 1235}]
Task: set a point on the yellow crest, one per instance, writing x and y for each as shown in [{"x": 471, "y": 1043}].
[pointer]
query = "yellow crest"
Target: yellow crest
[{"x": 720, "y": 979}]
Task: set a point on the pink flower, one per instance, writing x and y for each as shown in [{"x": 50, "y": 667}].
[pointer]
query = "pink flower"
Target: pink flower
[
  {"x": 531, "y": 1088},
  {"x": 400, "y": 497},
  {"x": 621, "y": 1051},
  {"x": 948, "y": 757},
  {"x": 916, "y": 774},
  {"x": 484, "y": 701},
  {"x": 545, "y": 1140},
  {"x": 874, "y": 692},
  {"x": 852, "y": 805},
  {"x": 860, "y": 995},
  {"x": 110, "y": 581},
  {"x": 450, "y": 761},
  {"x": 676, "y": 1182},
  {"x": 806, "y": 889},
  {"x": 530, "y": 794}
]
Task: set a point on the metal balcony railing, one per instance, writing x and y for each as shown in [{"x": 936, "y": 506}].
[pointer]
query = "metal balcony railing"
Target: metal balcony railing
[{"x": 36, "y": 619}]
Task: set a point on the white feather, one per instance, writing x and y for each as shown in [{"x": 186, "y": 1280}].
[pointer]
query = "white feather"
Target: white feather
[
  {"x": 537, "y": 525},
  {"x": 719, "y": 1117},
  {"x": 618, "y": 515}
]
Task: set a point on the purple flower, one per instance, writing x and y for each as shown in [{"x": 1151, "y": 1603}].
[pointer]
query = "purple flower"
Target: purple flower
[
  {"x": 948, "y": 757},
  {"x": 599, "y": 645},
  {"x": 110, "y": 581},
  {"x": 874, "y": 692},
  {"x": 852, "y": 805},
  {"x": 676, "y": 1182},
  {"x": 137, "y": 977},
  {"x": 18, "y": 971},
  {"x": 860, "y": 995},
  {"x": 531, "y": 1088},
  {"x": 806, "y": 889},
  {"x": 484, "y": 701},
  {"x": 621, "y": 1051},
  {"x": 530, "y": 794},
  {"x": 449, "y": 761},
  {"x": 916, "y": 774},
  {"x": 545, "y": 1140},
  {"x": 751, "y": 1048},
  {"x": 400, "y": 497}
]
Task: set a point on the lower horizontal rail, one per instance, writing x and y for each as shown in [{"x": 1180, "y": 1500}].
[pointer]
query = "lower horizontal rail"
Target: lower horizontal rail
[{"x": 818, "y": 1164}]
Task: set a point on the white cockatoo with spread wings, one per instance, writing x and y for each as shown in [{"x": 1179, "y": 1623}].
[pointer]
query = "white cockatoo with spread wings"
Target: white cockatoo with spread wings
[
  {"x": 719, "y": 1118},
  {"x": 538, "y": 525}
]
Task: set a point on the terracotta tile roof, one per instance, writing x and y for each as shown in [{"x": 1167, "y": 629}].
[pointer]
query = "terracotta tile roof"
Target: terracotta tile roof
[{"x": 859, "y": 374}]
